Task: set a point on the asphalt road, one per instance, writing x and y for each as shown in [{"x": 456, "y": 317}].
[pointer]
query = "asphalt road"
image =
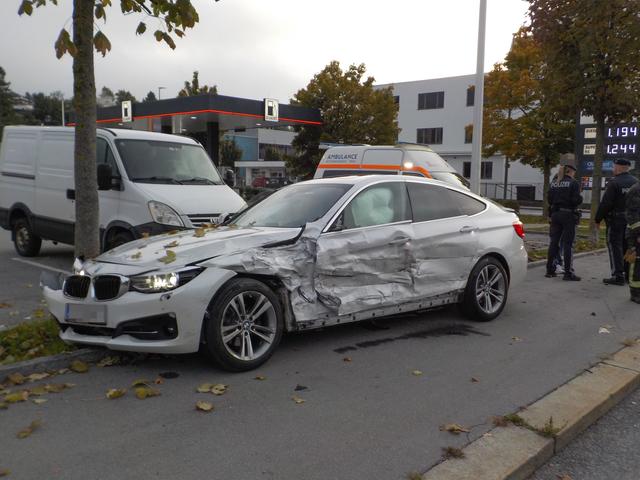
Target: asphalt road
[
  {"x": 370, "y": 417},
  {"x": 608, "y": 450}
]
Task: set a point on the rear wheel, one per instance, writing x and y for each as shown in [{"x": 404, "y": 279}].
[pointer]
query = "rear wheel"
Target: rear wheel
[
  {"x": 26, "y": 242},
  {"x": 118, "y": 238},
  {"x": 243, "y": 325},
  {"x": 486, "y": 293}
]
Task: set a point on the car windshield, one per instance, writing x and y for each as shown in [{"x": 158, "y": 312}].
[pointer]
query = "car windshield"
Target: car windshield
[
  {"x": 293, "y": 206},
  {"x": 451, "y": 178},
  {"x": 149, "y": 161}
]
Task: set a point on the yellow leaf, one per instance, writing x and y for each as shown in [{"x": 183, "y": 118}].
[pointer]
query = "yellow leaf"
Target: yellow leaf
[
  {"x": 55, "y": 387},
  {"x": 136, "y": 256},
  {"x": 39, "y": 401},
  {"x": 17, "y": 378},
  {"x": 34, "y": 377},
  {"x": 145, "y": 235},
  {"x": 297, "y": 399},
  {"x": 170, "y": 256},
  {"x": 38, "y": 313},
  {"x": 172, "y": 244},
  {"x": 417, "y": 373},
  {"x": 79, "y": 366},
  {"x": 204, "y": 406},
  {"x": 218, "y": 389},
  {"x": 259, "y": 377},
  {"x": 114, "y": 393},
  {"x": 16, "y": 397},
  {"x": 204, "y": 388},
  {"x": 199, "y": 232},
  {"x": 108, "y": 361},
  {"x": 140, "y": 383},
  {"x": 39, "y": 390},
  {"x": 173, "y": 232},
  {"x": 33, "y": 426},
  {"x": 4, "y": 406},
  {"x": 453, "y": 428},
  {"x": 146, "y": 392}
]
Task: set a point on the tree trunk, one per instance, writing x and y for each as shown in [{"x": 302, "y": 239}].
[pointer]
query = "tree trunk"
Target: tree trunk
[
  {"x": 87, "y": 231},
  {"x": 597, "y": 178},
  {"x": 506, "y": 177},
  {"x": 546, "y": 173}
]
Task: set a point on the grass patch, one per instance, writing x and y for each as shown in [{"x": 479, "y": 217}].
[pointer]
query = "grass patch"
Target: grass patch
[
  {"x": 31, "y": 340},
  {"x": 452, "y": 452}
]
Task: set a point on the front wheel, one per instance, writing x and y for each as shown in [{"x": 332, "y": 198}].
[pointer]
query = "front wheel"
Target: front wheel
[
  {"x": 243, "y": 325},
  {"x": 486, "y": 292},
  {"x": 26, "y": 242}
]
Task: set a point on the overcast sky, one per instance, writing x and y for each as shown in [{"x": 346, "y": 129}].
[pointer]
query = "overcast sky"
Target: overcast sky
[{"x": 264, "y": 48}]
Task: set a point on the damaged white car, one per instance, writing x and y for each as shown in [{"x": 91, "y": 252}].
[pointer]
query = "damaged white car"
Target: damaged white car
[{"x": 312, "y": 254}]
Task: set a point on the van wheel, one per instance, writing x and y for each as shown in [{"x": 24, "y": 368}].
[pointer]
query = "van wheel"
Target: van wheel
[
  {"x": 486, "y": 292},
  {"x": 26, "y": 242},
  {"x": 243, "y": 325},
  {"x": 117, "y": 239}
]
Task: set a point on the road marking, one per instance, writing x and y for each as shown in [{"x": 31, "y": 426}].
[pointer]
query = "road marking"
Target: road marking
[{"x": 39, "y": 265}]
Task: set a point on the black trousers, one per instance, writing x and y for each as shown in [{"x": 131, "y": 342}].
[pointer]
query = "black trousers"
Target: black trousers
[
  {"x": 616, "y": 230},
  {"x": 563, "y": 226},
  {"x": 634, "y": 268}
]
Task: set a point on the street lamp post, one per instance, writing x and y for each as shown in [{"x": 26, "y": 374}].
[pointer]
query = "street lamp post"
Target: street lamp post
[
  {"x": 159, "y": 90},
  {"x": 476, "y": 148}
]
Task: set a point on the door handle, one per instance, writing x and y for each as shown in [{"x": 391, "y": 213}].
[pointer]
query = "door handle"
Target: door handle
[
  {"x": 71, "y": 194},
  {"x": 468, "y": 229},
  {"x": 399, "y": 241}
]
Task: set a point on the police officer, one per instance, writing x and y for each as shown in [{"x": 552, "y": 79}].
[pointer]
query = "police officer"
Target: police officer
[
  {"x": 633, "y": 240},
  {"x": 564, "y": 200},
  {"x": 612, "y": 211}
]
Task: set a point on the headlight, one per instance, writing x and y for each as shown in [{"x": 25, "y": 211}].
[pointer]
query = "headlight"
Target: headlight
[
  {"x": 164, "y": 214},
  {"x": 162, "y": 282}
]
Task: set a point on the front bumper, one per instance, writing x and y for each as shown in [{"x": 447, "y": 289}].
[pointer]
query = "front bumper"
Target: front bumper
[{"x": 169, "y": 322}]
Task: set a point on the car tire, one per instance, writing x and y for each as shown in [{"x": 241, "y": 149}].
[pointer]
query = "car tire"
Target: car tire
[
  {"x": 486, "y": 292},
  {"x": 26, "y": 242},
  {"x": 117, "y": 239},
  {"x": 243, "y": 325}
]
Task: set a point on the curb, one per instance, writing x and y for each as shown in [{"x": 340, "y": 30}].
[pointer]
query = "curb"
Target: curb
[
  {"x": 539, "y": 263},
  {"x": 52, "y": 362},
  {"x": 515, "y": 452}
]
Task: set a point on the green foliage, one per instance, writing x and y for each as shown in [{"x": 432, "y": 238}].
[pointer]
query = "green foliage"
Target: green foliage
[
  {"x": 352, "y": 112},
  {"x": 123, "y": 95},
  {"x": 30, "y": 340},
  {"x": 229, "y": 153},
  {"x": 193, "y": 88},
  {"x": 47, "y": 109},
  {"x": 7, "y": 99},
  {"x": 272, "y": 155},
  {"x": 151, "y": 97}
]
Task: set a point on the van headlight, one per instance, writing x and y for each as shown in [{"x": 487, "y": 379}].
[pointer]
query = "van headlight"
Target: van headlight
[
  {"x": 162, "y": 282},
  {"x": 164, "y": 214}
]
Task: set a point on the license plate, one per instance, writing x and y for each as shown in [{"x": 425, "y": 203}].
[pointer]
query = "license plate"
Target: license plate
[{"x": 80, "y": 313}]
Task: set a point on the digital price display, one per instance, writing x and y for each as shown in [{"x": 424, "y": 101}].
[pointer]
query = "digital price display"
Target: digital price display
[
  {"x": 621, "y": 149},
  {"x": 628, "y": 131}
]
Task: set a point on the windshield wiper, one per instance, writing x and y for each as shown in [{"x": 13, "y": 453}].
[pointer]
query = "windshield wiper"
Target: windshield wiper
[
  {"x": 199, "y": 179},
  {"x": 156, "y": 179}
]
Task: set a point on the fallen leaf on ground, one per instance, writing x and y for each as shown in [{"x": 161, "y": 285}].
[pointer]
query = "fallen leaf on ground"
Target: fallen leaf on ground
[
  {"x": 172, "y": 244},
  {"x": 57, "y": 387},
  {"x": 69, "y": 385},
  {"x": 452, "y": 452},
  {"x": 159, "y": 381},
  {"x": 346, "y": 359},
  {"x": 109, "y": 361},
  {"x": 453, "y": 428},
  {"x": 16, "y": 397},
  {"x": 219, "y": 389},
  {"x": 516, "y": 339},
  {"x": 173, "y": 232},
  {"x": 259, "y": 377},
  {"x": 299, "y": 388},
  {"x": 62, "y": 371},
  {"x": 39, "y": 401},
  {"x": 141, "y": 382},
  {"x": 474, "y": 380},
  {"x": 145, "y": 235},
  {"x": 604, "y": 330},
  {"x": 34, "y": 377},
  {"x": 417, "y": 373},
  {"x": 204, "y": 388},
  {"x": 170, "y": 256},
  {"x": 145, "y": 392},
  {"x": 17, "y": 378},
  {"x": 114, "y": 393},
  {"x": 38, "y": 313},
  {"x": 199, "y": 232},
  {"x": 297, "y": 399},
  {"x": 39, "y": 390},
  {"x": 79, "y": 366},
  {"x": 5, "y": 305},
  {"x": 204, "y": 406},
  {"x": 33, "y": 426}
]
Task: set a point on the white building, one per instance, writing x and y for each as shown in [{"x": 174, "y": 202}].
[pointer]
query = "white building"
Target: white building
[{"x": 439, "y": 112}]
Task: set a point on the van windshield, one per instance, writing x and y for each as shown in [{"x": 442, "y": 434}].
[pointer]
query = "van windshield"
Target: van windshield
[{"x": 148, "y": 161}]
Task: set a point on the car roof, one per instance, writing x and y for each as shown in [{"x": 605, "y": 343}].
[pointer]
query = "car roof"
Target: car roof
[{"x": 362, "y": 180}]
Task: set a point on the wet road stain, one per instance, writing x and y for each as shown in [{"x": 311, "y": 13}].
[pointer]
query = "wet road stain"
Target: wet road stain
[{"x": 458, "y": 329}]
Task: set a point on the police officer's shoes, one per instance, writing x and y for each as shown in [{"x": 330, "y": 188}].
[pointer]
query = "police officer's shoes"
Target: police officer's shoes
[
  {"x": 613, "y": 281},
  {"x": 572, "y": 277},
  {"x": 550, "y": 274}
]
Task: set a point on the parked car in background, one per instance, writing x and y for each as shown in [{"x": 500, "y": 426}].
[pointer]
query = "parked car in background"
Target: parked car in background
[
  {"x": 310, "y": 255},
  {"x": 259, "y": 182},
  {"x": 401, "y": 159},
  {"x": 277, "y": 182},
  {"x": 149, "y": 183}
]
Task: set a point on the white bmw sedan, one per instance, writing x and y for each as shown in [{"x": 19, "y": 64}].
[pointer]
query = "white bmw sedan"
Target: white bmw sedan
[{"x": 313, "y": 254}]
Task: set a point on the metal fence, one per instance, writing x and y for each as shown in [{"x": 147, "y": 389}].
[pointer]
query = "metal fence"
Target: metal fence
[{"x": 515, "y": 191}]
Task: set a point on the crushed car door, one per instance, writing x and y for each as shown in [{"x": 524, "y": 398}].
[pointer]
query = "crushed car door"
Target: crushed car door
[{"x": 363, "y": 260}]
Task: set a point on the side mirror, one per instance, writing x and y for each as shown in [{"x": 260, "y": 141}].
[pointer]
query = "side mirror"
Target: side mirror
[
  {"x": 229, "y": 178},
  {"x": 105, "y": 176}
]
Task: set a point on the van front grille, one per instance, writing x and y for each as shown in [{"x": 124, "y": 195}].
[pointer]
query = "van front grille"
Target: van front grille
[
  {"x": 198, "y": 219},
  {"x": 77, "y": 286}
]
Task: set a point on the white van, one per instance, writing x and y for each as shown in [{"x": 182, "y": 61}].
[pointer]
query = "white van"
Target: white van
[
  {"x": 149, "y": 183},
  {"x": 401, "y": 159}
]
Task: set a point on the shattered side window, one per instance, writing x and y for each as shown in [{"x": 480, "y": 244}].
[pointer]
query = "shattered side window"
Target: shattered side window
[{"x": 377, "y": 205}]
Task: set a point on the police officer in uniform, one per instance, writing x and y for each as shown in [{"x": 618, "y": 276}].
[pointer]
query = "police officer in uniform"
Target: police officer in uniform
[
  {"x": 564, "y": 200},
  {"x": 633, "y": 241},
  {"x": 612, "y": 211}
]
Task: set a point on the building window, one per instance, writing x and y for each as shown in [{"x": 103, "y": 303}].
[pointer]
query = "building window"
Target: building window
[
  {"x": 486, "y": 170},
  {"x": 396, "y": 100},
  {"x": 468, "y": 134},
  {"x": 431, "y": 136},
  {"x": 471, "y": 95},
  {"x": 430, "y": 100}
]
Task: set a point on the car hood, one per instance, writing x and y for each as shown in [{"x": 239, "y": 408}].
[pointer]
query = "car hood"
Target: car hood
[
  {"x": 186, "y": 247},
  {"x": 194, "y": 199}
]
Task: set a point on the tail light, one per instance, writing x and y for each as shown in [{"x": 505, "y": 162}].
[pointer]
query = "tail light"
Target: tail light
[{"x": 518, "y": 226}]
